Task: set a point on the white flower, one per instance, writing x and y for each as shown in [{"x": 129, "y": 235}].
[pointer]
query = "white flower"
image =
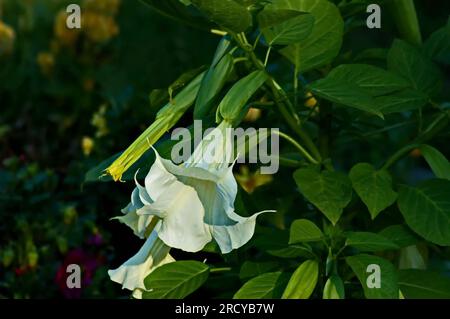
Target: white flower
[
  {"x": 193, "y": 204},
  {"x": 132, "y": 273}
]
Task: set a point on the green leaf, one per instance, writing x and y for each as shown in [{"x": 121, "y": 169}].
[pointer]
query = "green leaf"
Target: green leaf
[
  {"x": 329, "y": 191},
  {"x": 426, "y": 209},
  {"x": 303, "y": 281},
  {"x": 334, "y": 288},
  {"x": 437, "y": 161},
  {"x": 348, "y": 94},
  {"x": 400, "y": 235},
  {"x": 174, "y": 10},
  {"x": 234, "y": 101},
  {"x": 175, "y": 280},
  {"x": 251, "y": 269},
  {"x": 293, "y": 251},
  {"x": 420, "y": 284},
  {"x": 402, "y": 101},
  {"x": 388, "y": 276},
  {"x": 269, "y": 18},
  {"x": 325, "y": 40},
  {"x": 267, "y": 286},
  {"x": 407, "y": 61},
  {"x": 213, "y": 82},
  {"x": 368, "y": 242},
  {"x": 303, "y": 230},
  {"x": 437, "y": 47},
  {"x": 373, "y": 187},
  {"x": 226, "y": 13},
  {"x": 412, "y": 258},
  {"x": 290, "y": 31},
  {"x": 374, "y": 80}
]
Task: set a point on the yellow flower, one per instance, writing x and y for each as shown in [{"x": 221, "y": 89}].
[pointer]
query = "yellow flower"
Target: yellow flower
[
  {"x": 98, "y": 27},
  {"x": 46, "y": 62},
  {"x": 66, "y": 36},
  {"x": 102, "y": 6},
  {"x": 415, "y": 153},
  {"x": 310, "y": 100},
  {"x": 7, "y": 37},
  {"x": 87, "y": 144},
  {"x": 250, "y": 181}
]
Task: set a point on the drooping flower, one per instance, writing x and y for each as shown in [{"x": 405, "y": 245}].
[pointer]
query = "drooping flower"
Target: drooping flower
[{"x": 193, "y": 203}]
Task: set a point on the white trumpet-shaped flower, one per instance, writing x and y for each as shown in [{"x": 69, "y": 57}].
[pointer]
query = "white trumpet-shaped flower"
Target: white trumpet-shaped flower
[
  {"x": 132, "y": 273},
  {"x": 194, "y": 202}
]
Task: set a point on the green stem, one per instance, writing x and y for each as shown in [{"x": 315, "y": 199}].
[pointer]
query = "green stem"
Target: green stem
[
  {"x": 398, "y": 155},
  {"x": 300, "y": 148},
  {"x": 280, "y": 98}
]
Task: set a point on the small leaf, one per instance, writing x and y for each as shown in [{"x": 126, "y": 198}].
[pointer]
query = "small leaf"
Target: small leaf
[
  {"x": 329, "y": 191},
  {"x": 373, "y": 187},
  {"x": 175, "y": 280},
  {"x": 334, "y": 288},
  {"x": 426, "y": 209},
  {"x": 388, "y": 276},
  {"x": 420, "y": 284},
  {"x": 303, "y": 230},
  {"x": 266, "y": 286},
  {"x": 437, "y": 161},
  {"x": 303, "y": 281},
  {"x": 368, "y": 242}
]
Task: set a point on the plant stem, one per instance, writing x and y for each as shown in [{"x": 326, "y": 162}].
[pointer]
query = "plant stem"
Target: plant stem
[
  {"x": 266, "y": 60},
  {"x": 280, "y": 98},
  {"x": 300, "y": 148}
]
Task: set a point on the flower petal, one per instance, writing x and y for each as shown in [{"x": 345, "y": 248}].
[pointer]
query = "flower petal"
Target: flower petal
[
  {"x": 180, "y": 209},
  {"x": 235, "y": 236},
  {"x": 133, "y": 272}
]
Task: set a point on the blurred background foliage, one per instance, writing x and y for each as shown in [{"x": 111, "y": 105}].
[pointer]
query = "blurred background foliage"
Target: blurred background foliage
[{"x": 69, "y": 99}]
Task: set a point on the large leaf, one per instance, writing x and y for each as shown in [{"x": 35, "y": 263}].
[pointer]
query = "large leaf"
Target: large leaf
[
  {"x": 233, "y": 103},
  {"x": 437, "y": 161},
  {"x": 303, "y": 281},
  {"x": 437, "y": 47},
  {"x": 324, "y": 42},
  {"x": 388, "y": 276},
  {"x": 303, "y": 230},
  {"x": 226, "y": 13},
  {"x": 329, "y": 191},
  {"x": 175, "y": 280},
  {"x": 369, "y": 242},
  {"x": 420, "y": 284},
  {"x": 267, "y": 286},
  {"x": 402, "y": 101},
  {"x": 407, "y": 61},
  {"x": 348, "y": 94},
  {"x": 374, "y": 80},
  {"x": 426, "y": 209},
  {"x": 334, "y": 288},
  {"x": 373, "y": 187},
  {"x": 290, "y": 31}
]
